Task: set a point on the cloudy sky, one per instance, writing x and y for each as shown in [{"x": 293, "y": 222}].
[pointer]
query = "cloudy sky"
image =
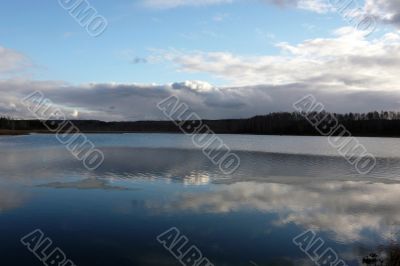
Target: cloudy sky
[{"x": 225, "y": 58}]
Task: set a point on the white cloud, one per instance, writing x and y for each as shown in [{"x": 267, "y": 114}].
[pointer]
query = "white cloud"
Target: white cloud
[
  {"x": 386, "y": 11},
  {"x": 12, "y": 61},
  {"x": 319, "y": 6},
  {"x": 178, "y": 3},
  {"x": 345, "y": 61},
  {"x": 195, "y": 85}
]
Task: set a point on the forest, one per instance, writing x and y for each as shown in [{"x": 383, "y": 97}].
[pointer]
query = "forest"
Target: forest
[{"x": 384, "y": 123}]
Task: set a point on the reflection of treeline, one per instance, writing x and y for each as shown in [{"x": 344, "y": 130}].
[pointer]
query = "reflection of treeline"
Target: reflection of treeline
[
  {"x": 359, "y": 124},
  {"x": 386, "y": 256}
]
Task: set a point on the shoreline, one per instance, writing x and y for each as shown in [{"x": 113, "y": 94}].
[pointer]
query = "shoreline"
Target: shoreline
[
  {"x": 7, "y": 132},
  {"x": 10, "y": 132}
]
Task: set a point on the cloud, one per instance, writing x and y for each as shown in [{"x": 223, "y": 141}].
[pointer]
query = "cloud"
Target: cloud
[
  {"x": 139, "y": 60},
  {"x": 163, "y": 4},
  {"x": 319, "y": 6},
  {"x": 346, "y": 60},
  {"x": 12, "y": 62},
  {"x": 116, "y": 102},
  {"x": 196, "y": 86},
  {"x": 346, "y": 72},
  {"x": 386, "y": 11}
]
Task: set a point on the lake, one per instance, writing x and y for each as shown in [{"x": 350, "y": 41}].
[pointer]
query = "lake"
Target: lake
[{"x": 150, "y": 183}]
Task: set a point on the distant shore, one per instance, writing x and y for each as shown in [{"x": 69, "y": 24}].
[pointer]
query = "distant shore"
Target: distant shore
[
  {"x": 373, "y": 124},
  {"x": 9, "y": 132},
  {"x": 6, "y": 132}
]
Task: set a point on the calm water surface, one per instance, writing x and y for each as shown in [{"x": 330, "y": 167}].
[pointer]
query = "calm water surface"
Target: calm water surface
[{"x": 152, "y": 182}]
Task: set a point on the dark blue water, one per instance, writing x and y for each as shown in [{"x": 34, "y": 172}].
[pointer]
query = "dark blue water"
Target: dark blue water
[{"x": 113, "y": 215}]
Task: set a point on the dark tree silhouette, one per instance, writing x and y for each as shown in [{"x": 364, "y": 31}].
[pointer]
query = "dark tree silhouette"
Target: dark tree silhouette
[{"x": 383, "y": 123}]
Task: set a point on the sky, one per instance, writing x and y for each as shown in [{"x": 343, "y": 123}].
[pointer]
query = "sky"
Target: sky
[{"x": 224, "y": 58}]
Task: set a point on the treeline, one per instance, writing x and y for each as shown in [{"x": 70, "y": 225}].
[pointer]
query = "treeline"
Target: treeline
[{"x": 382, "y": 123}]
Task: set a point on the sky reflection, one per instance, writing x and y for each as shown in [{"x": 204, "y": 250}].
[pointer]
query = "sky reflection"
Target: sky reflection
[{"x": 252, "y": 215}]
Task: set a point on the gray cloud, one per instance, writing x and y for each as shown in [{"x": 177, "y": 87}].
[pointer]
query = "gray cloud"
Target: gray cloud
[
  {"x": 138, "y": 102},
  {"x": 139, "y": 60},
  {"x": 386, "y": 11}
]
